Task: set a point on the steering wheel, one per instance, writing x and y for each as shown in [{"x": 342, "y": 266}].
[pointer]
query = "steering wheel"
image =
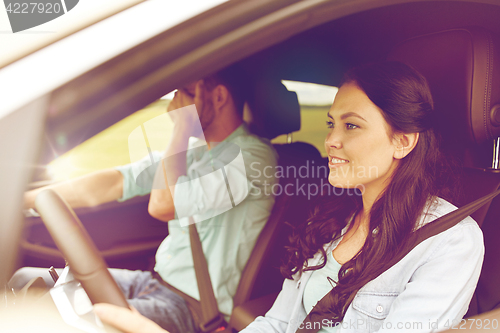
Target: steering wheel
[{"x": 85, "y": 261}]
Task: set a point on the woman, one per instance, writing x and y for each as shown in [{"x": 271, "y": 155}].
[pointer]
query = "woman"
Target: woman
[{"x": 381, "y": 142}]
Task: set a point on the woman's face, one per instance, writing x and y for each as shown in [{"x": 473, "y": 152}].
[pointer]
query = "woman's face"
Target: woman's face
[{"x": 359, "y": 145}]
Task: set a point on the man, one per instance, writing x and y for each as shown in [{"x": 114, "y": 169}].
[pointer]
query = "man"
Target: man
[{"x": 228, "y": 229}]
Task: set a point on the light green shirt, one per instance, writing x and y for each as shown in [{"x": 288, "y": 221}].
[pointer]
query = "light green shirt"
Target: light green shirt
[
  {"x": 319, "y": 284},
  {"x": 227, "y": 238}
]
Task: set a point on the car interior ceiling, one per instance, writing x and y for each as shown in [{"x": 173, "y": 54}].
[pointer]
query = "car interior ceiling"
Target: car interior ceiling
[{"x": 322, "y": 54}]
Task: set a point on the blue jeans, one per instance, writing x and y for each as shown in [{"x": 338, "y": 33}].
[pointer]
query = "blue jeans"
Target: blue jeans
[{"x": 152, "y": 299}]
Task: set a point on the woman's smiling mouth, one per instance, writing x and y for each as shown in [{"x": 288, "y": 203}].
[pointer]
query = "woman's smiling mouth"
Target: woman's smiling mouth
[{"x": 336, "y": 162}]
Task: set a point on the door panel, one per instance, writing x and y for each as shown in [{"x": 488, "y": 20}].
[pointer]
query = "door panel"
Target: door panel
[{"x": 125, "y": 233}]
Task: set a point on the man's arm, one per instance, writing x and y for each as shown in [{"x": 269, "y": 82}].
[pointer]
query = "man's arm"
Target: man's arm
[
  {"x": 161, "y": 202},
  {"x": 86, "y": 191},
  {"x": 186, "y": 124}
]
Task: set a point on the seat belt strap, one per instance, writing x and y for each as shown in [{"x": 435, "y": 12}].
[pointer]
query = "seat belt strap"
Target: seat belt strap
[
  {"x": 211, "y": 317},
  {"x": 430, "y": 229}
]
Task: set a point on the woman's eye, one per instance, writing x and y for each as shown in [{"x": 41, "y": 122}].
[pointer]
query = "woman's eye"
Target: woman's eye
[
  {"x": 329, "y": 124},
  {"x": 351, "y": 126}
]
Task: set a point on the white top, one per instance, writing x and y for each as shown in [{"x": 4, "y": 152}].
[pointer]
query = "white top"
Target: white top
[
  {"x": 428, "y": 290},
  {"x": 321, "y": 283}
]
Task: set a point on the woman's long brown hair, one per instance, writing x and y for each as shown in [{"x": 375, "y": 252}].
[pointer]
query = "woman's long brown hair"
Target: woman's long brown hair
[{"x": 405, "y": 99}]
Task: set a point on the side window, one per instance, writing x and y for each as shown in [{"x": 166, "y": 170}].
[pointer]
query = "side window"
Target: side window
[
  {"x": 315, "y": 100},
  {"x": 108, "y": 148}
]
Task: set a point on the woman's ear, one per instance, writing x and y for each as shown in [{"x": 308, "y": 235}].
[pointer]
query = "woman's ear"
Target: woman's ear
[{"x": 404, "y": 142}]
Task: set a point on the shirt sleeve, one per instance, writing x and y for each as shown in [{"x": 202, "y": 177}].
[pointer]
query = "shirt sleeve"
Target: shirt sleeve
[
  {"x": 440, "y": 290},
  {"x": 138, "y": 176}
]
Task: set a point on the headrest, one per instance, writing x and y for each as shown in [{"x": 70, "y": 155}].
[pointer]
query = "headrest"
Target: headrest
[
  {"x": 462, "y": 67},
  {"x": 275, "y": 110}
]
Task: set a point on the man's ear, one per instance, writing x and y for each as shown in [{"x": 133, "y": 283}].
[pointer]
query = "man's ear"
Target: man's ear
[
  {"x": 404, "y": 142},
  {"x": 220, "y": 97}
]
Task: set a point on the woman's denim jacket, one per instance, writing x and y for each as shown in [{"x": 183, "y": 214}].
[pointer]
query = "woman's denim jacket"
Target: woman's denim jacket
[{"x": 428, "y": 290}]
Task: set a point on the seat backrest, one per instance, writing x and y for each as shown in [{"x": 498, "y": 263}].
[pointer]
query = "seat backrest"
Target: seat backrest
[
  {"x": 276, "y": 111},
  {"x": 462, "y": 67},
  {"x": 296, "y": 195},
  {"x": 487, "y": 294}
]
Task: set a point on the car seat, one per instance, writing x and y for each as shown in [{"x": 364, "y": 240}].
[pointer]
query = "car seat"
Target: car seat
[
  {"x": 462, "y": 67},
  {"x": 275, "y": 111}
]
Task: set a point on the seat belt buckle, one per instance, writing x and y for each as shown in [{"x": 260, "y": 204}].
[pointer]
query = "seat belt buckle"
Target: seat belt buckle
[{"x": 217, "y": 324}]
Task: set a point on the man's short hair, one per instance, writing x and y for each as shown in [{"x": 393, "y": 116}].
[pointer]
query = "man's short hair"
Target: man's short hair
[{"x": 236, "y": 82}]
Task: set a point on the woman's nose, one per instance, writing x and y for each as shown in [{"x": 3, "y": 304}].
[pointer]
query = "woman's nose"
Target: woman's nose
[{"x": 333, "y": 140}]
